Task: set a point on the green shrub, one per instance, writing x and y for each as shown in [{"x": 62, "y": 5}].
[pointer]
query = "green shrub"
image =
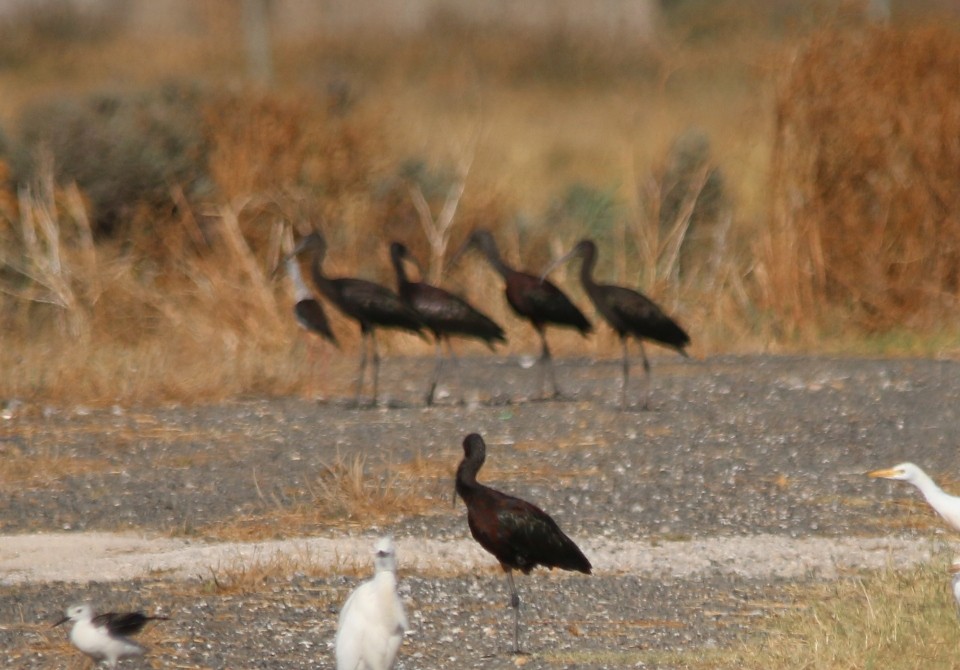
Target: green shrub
[
  {"x": 123, "y": 150},
  {"x": 29, "y": 29}
]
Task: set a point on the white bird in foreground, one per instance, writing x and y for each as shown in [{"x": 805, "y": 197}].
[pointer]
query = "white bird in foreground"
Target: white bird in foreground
[
  {"x": 372, "y": 621},
  {"x": 102, "y": 637},
  {"x": 946, "y": 505},
  {"x": 955, "y": 581}
]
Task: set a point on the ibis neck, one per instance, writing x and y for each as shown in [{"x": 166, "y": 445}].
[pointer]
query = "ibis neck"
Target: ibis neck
[
  {"x": 467, "y": 475},
  {"x": 320, "y": 280},
  {"x": 492, "y": 255},
  {"x": 587, "y": 265},
  {"x": 402, "y": 279}
]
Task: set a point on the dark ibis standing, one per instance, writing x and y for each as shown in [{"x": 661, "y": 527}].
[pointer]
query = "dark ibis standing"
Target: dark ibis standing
[
  {"x": 444, "y": 314},
  {"x": 519, "y": 534},
  {"x": 629, "y": 313},
  {"x": 538, "y": 301},
  {"x": 369, "y": 304}
]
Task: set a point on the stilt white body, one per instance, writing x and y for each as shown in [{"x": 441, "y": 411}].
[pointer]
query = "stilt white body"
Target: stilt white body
[{"x": 96, "y": 640}]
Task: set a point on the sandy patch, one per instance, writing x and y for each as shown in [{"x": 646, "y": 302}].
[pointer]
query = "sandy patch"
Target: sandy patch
[{"x": 81, "y": 557}]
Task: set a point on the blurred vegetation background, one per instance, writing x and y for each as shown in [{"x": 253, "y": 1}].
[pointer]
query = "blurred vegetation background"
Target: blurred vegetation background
[{"x": 778, "y": 175}]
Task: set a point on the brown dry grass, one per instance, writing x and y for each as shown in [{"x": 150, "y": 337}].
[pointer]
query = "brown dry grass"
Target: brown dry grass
[
  {"x": 261, "y": 573},
  {"x": 189, "y": 310},
  {"x": 348, "y": 492},
  {"x": 864, "y": 192},
  {"x": 43, "y": 472},
  {"x": 888, "y": 618}
]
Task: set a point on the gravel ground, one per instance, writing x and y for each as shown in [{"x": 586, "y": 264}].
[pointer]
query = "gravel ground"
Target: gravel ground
[{"x": 744, "y": 450}]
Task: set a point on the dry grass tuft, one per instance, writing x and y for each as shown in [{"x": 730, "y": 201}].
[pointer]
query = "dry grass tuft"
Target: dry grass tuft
[
  {"x": 348, "y": 492},
  {"x": 258, "y": 573},
  {"x": 894, "y": 619},
  {"x": 43, "y": 472},
  {"x": 865, "y": 202},
  {"x": 347, "y": 488},
  {"x": 891, "y": 619}
]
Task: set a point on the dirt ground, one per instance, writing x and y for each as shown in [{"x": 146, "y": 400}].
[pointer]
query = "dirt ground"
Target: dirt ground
[{"x": 744, "y": 479}]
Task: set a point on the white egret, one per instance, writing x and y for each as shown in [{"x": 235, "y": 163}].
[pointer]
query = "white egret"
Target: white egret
[
  {"x": 943, "y": 503},
  {"x": 103, "y": 637},
  {"x": 372, "y": 622},
  {"x": 955, "y": 581}
]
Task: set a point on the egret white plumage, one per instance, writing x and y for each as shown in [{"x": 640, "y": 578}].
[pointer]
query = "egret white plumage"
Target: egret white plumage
[
  {"x": 372, "y": 621},
  {"x": 955, "y": 581},
  {"x": 943, "y": 503},
  {"x": 103, "y": 637}
]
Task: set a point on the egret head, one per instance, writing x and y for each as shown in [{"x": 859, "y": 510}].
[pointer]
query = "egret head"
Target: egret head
[
  {"x": 905, "y": 472},
  {"x": 385, "y": 555},
  {"x": 955, "y": 566}
]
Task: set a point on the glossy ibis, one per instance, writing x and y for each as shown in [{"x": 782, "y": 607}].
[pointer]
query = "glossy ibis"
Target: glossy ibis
[
  {"x": 372, "y": 621},
  {"x": 444, "y": 314},
  {"x": 104, "y": 637},
  {"x": 629, "y": 313},
  {"x": 519, "y": 534},
  {"x": 369, "y": 304},
  {"x": 538, "y": 301},
  {"x": 946, "y": 505}
]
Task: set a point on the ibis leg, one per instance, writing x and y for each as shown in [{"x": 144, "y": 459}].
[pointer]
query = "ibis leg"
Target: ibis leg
[
  {"x": 363, "y": 368},
  {"x": 436, "y": 373},
  {"x": 626, "y": 373},
  {"x": 311, "y": 365},
  {"x": 646, "y": 376},
  {"x": 376, "y": 366},
  {"x": 546, "y": 362},
  {"x": 456, "y": 364},
  {"x": 515, "y": 604}
]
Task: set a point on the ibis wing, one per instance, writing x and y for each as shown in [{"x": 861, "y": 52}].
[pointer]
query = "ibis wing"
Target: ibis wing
[
  {"x": 642, "y": 317},
  {"x": 536, "y": 539},
  {"x": 367, "y": 301},
  {"x": 540, "y": 300},
  {"x": 448, "y": 313}
]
